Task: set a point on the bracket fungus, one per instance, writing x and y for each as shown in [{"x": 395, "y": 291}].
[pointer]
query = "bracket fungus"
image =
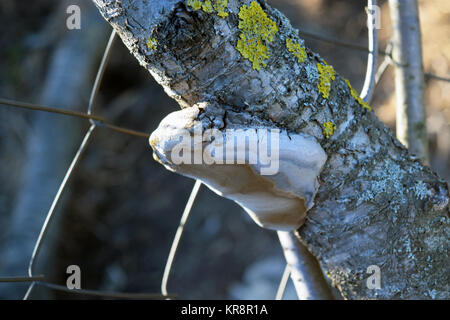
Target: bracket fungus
[{"x": 273, "y": 175}]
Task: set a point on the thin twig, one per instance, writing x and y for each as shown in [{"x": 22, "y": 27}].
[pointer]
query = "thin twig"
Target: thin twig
[
  {"x": 387, "y": 61},
  {"x": 283, "y": 283},
  {"x": 369, "y": 81},
  {"x": 176, "y": 240},
  {"x": 382, "y": 69},
  {"x": 435, "y": 77}
]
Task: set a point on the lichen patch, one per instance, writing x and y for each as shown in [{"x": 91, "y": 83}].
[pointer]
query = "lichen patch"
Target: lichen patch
[
  {"x": 210, "y": 6},
  {"x": 328, "y": 129},
  {"x": 355, "y": 95},
  {"x": 152, "y": 43},
  {"x": 327, "y": 75},
  {"x": 296, "y": 49},
  {"x": 257, "y": 29}
]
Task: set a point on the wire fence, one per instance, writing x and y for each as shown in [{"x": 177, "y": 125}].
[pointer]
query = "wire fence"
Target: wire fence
[{"x": 97, "y": 121}]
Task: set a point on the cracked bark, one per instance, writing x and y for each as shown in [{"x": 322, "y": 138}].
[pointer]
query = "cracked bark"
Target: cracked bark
[{"x": 376, "y": 205}]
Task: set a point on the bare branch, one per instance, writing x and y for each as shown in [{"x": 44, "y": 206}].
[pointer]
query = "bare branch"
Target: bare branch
[
  {"x": 305, "y": 271},
  {"x": 369, "y": 82}
]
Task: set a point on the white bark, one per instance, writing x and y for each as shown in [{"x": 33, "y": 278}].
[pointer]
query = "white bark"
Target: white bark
[
  {"x": 306, "y": 274},
  {"x": 409, "y": 77},
  {"x": 369, "y": 81}
]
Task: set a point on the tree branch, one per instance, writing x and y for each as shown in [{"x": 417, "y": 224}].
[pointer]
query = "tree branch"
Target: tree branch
[
  {"x": 369, "y": 81},
  {"x": 376, "y": 204},
  {"x": 306, "y": 274},
  {"x": 409, "y": 78}
]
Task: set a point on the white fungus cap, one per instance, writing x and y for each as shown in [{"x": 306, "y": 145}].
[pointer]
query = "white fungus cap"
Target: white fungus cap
[{"x": 276, "y": 196}]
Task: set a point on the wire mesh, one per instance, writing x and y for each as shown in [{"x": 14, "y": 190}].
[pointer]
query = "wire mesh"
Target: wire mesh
[
  {"x": 95, "y": 121},
  {"x": 99, "y": 122}
]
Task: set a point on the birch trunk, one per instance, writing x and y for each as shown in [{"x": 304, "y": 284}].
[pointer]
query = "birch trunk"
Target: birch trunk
[
  {"x": 376, "y": 205},
  {"x": 409, "y": 79}
]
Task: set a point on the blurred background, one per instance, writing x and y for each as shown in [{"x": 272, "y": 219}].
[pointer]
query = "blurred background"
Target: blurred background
[{"x": 121, "y": 209}]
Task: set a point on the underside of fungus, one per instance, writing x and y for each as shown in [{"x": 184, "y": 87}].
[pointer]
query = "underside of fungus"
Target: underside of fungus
[{"x": 272, "y": 174}]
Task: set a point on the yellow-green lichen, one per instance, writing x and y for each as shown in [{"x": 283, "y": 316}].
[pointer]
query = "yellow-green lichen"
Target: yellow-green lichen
[
  {"x": 327, "y": 74},
  {"x": 257, "y": 29},
  {"x": 195, "y": 4},
  {"x": 328, "y": 129},
  {"x": 207, "y": 6},
  {"x": 355, "y": 95},
  {"x": 296, "y": 49},
  {"x": 220, "y": 6},
  {"x": 152, "y": 43},
  {"x": 210, "y": 6}
]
